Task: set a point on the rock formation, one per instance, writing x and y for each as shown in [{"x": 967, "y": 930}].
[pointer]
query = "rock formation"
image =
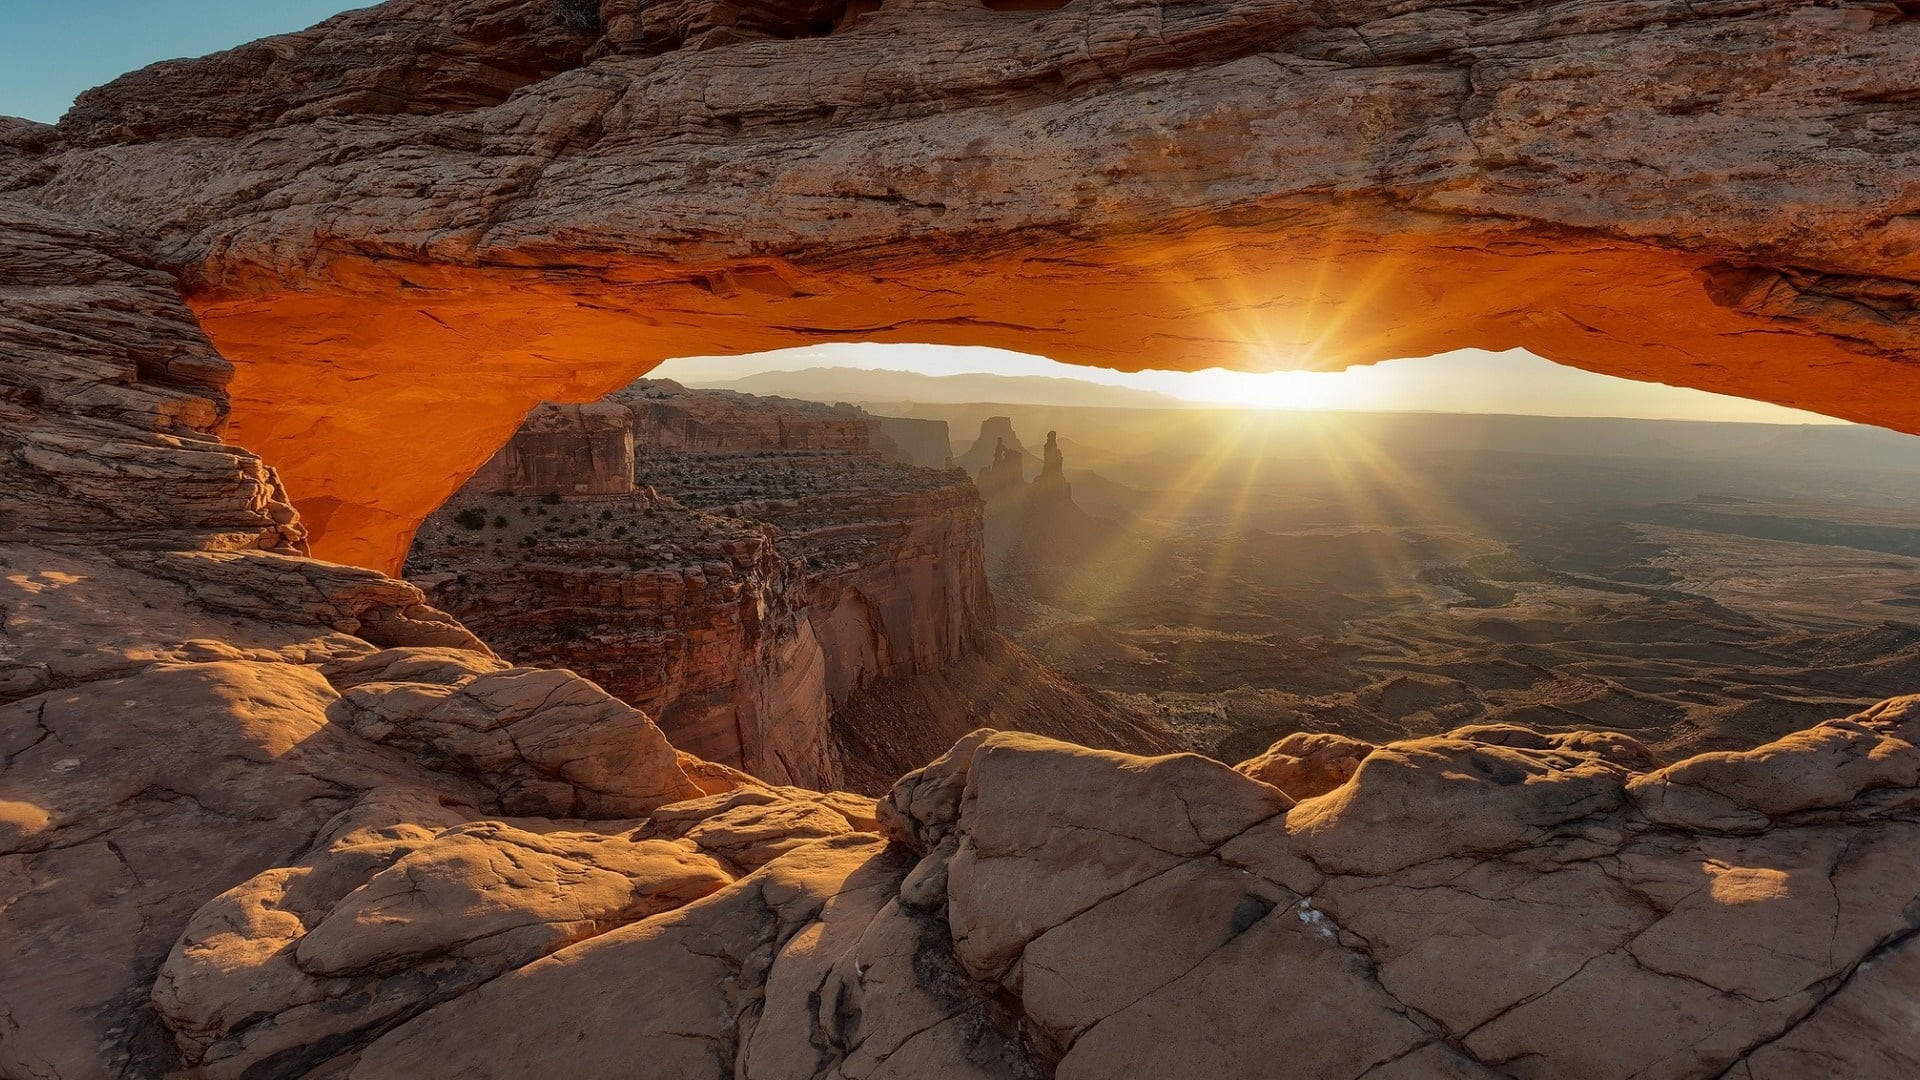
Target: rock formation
[
  {"x": 513, "y": 201},
  {"x": 695, "y": 618},
  {"x": 753, "y": 591},
  {"x": 1005, "y": 477},
  {"x": 1051, "y": 481},
  {"x": 913, "y": 441},
  {"x": 668, "y": 416},
  {"x": 1308, "y": 764},
  {"x": 1037, "y": 536},
  {"x": 564, "y": 450},
  {"x": 995, "y": 439},
  {"x": 262, "y": 815}
]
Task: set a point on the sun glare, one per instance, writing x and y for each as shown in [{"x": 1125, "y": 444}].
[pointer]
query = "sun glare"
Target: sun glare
[
  {"x": 1262, "y": 390},
  {"x": 1468, "y": 381}
]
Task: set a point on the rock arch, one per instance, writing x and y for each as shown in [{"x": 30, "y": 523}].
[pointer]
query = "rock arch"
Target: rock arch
[
  {"x": 1717, "y": 198},
  {"x": 395, "y": 255}
]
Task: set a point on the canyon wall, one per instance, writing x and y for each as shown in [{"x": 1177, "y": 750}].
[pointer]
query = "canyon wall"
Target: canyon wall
[
  {"x": 897, "y": 583},
  {"x": 696, "y": 619},
  {"x": 913, "y": 441},
  {"x": 668, "y": 416},
  {"x": 564, "y": 450},
  {"x": 793, "y": 575},
  {"x": 817, "y": 617}
]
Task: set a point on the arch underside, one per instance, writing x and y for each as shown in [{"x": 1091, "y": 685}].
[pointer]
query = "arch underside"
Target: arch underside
[
  {"x": 376, "y": 406},
  {"x": 402, "y": 260}
]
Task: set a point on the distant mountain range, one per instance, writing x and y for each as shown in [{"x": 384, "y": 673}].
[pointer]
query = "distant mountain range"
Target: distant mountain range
[
  {"x": 863, "y": 386},
  {"x": 1102, "y": 424}
]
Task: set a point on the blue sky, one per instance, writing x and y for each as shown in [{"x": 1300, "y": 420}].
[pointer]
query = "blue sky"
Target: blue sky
[{"x": 51, "y": 50}]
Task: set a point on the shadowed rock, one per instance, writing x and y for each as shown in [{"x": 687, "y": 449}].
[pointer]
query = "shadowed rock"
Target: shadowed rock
[
  {"x": 517, "y": 200},
  {"x": 211, "y": 746}
]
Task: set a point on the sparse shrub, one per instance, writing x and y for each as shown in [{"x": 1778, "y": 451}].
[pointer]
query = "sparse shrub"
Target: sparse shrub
[
  {"x": 499, "y": 521},
  {"x": 470, "y": 519},
  {"x": 551, "y": 498},
  {"x": 580, "y": 16}
]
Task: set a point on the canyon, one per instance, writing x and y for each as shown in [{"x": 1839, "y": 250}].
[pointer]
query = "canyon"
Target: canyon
[
  {"x": 762, "y": 573},
  {"x": 264, "y": 814},
  {"x": 1243, "y": 577}
]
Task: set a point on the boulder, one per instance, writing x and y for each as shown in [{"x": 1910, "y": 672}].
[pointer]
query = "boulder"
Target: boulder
[{"x": 1306, "y": 764}]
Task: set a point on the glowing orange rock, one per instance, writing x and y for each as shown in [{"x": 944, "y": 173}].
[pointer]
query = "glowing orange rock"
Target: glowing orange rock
[{"x": 1717, "y": 198}]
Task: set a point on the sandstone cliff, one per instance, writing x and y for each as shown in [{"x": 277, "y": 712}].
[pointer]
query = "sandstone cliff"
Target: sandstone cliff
[
  {"x": 564, "y": 450},
  {"x": 913, "y": 441},
  {"x": 262, "y": 815},
  {"x": 749, "y": 597},
  {"x": 668, "y": 416},
  {"x": 698, "y": 619}
]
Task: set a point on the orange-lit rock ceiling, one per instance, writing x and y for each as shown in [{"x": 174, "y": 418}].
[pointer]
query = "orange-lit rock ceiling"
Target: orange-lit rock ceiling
[{"x": 1717, "y": 196}]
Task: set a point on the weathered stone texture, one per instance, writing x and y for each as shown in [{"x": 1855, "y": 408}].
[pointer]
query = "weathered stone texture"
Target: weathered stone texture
[
  {"x": 254, "y": 807},
  {"x": 564, "y": 450},
  {"x": 1714, "y": 195}
]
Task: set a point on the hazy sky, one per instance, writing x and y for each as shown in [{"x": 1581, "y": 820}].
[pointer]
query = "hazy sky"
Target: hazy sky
[
  {"x": 1465, "y": 381},
  {"x": 53, "y": 49}
]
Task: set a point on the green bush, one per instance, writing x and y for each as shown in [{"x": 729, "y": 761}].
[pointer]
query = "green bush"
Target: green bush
[{"x": 471, "y": 519}]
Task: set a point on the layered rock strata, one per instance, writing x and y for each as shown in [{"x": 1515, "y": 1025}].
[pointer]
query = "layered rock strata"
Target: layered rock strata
[
  {"x": 766, "y": 570},
  {"x": 564, "y": 450},
  {"x": 511, "y": 201},
  {"x": 253, "y": 806},
  {"x": 695, "y": 618},
  {"x": 262, "y": 815},
  {"x": 668, "y": 416},
  {"x": 748, "y": 598}
]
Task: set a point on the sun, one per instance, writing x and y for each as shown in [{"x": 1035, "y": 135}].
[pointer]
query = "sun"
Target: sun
[{"x": 1293, "y": 390}]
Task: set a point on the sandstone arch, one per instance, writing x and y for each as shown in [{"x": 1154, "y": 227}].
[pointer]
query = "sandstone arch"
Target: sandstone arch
[
  {"x": 1722, "y": 195},
  {"x": 401, "y": 263}
]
